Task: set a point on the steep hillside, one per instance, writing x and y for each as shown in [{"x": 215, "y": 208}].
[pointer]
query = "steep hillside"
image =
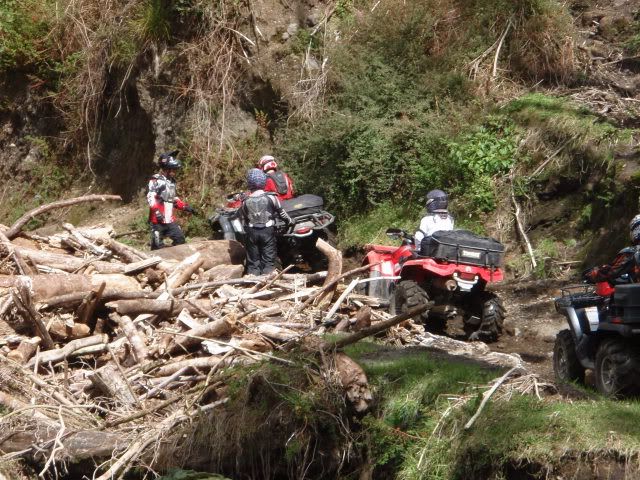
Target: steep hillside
[{"x": 370, "y": 104}]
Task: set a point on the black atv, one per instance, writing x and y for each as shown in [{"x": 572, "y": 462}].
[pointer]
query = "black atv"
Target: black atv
[
  {"x": 296, "y": 242},
  {"x": 603, "y": 335}
]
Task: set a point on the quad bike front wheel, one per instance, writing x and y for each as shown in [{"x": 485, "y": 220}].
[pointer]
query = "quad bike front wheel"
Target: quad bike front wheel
[
  {"x": 566, "y": 365},
  {"x": 407, "y": 295},
  {"x": 488, "y": 314},
  {"x": 617, "y": 369}
]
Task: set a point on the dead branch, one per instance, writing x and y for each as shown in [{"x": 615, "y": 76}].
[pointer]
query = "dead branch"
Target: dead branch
[
  {"x": 24, "y": 300},
  {"x": 379, "y": 327},
  {"x": 487, "y": 396},
  {"x": 53, "y": 356},
  {"x": 334, "y": 258},
  {"x": 138, "y": 345},
  {"x": 195, "y": 336},
  {"x": 523, "y": 233},
  {"x": 15, "y": 229}
]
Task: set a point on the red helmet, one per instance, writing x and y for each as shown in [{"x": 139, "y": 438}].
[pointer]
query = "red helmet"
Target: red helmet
[{"x": 267, "y": 160}]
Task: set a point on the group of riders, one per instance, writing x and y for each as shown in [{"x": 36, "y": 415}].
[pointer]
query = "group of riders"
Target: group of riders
[{"x": 268, "y": 185}]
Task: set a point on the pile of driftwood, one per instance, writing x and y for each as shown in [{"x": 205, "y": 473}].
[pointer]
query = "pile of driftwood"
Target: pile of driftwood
[{"x": 104, "y": 348}]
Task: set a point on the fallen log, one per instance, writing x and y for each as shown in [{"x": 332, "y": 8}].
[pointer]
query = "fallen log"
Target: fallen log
[
  {"x": 53, "y": 356},
  {"x": 138, "y": 346},
  {"x": 141, "y": 265},
  {"x": 67, "y": 263},
  {"x": 223, "y": 272},
  {"x": 156, "y": 306},
  {"x": 213, "y": 252},
  {"x": 334, "y": 257},
  {"x": 195, "y": 336},
  {"x": 111, "y": 383},
  {"x": 84, "y": 242},
  {"x": 38, "y": 442},
  {"x": 43, "y": 287},
  {"x": 128, "y": 253},
  {"x": 24, "y": 300},
  {"x": 11, "y": 250},
  {"x": 89, "y": 303},
  {"x": 59, "y": 329},
  {"x": 15, "y": 229},
  {"x": 74, "y": 298},
  {"x": 202, "y": 363},
  {"x": 183, "y": 271},
  {"x": 275, "y": 332},
  {"x": 25, "y": 350}
]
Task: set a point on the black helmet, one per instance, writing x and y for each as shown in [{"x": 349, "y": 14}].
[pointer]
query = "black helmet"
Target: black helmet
[
  {"x": 436, "y": 200},
  {"x": 169, "y": 161},
  {"x": 634, "y": 229}
]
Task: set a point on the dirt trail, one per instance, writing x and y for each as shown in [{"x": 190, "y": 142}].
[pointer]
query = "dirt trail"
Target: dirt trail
[{"x": 532, "y": 323}]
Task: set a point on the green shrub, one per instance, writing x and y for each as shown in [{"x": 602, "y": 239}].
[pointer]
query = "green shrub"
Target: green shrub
[{"x": 23, "y": 27}]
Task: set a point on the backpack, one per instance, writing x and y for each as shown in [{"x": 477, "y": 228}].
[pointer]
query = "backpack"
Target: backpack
[{"x": 280, "y": 179}]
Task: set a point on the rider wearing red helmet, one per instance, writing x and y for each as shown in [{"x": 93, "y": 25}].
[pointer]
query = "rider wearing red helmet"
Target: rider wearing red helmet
[{"x": 277, "y": 181}]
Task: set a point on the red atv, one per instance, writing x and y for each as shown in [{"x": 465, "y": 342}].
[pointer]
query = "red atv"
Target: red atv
[{"x": 452, "y": 269}]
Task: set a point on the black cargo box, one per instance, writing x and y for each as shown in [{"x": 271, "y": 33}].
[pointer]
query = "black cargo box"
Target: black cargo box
[
  {"x": 626, "y": 299},
  {"x": 303, "y": 205},
  {"x": 463, "y": 246},
  {"x": 627, "y": 295}
]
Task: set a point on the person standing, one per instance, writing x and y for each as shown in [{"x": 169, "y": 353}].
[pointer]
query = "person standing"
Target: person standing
[
  {"x": 162, "y": 197},
  {"x": 277, "y": 181},
  {"x": 259, "y": 210}
]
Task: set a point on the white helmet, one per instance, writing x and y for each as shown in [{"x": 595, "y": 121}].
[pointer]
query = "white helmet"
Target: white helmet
[{"x": 264, "y": 160}]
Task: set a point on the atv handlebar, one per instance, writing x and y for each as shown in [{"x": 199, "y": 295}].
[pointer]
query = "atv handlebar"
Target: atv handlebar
[{"x": 398, "y": 233}]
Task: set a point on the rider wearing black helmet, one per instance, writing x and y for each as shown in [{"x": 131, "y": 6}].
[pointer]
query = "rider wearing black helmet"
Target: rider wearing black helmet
[
  {"x": 437, "y": 217},
  {"x": 626, "y": 262},
  {"x": 162, "y": 198}
]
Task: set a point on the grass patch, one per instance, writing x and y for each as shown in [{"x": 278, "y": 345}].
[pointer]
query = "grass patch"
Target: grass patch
[{"x": 411, "y": 438}]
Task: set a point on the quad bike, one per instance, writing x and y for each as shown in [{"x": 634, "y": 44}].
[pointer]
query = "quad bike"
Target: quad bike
[
  {"x": 296, "y": 242},
  {"x": 603, "y": 335},
  {"x": 452, "y": 269}
]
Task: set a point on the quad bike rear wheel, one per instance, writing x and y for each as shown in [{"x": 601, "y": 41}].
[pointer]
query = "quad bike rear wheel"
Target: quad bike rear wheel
[
  {"x": 617, "y": 368},
  {"x": 407, "y": 295},
  {"x": 566, "y": 365}
]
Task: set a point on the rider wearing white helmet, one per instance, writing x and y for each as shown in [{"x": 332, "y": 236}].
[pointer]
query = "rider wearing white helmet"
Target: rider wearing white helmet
[{"x": 277, "y": 181}]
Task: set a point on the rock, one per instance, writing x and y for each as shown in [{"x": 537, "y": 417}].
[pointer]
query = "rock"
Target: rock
[
  {"x": 612, "y": 26},
  {"x": 313, "y": 19},
  {"x": 292, "y": 29},
  {"x": 311, "y": 64},
  {"x": 591, "y": 18}
]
